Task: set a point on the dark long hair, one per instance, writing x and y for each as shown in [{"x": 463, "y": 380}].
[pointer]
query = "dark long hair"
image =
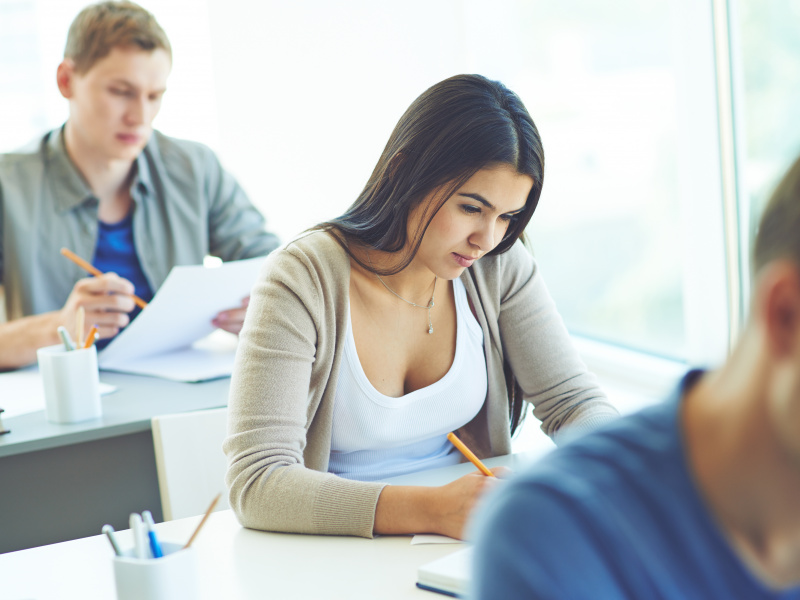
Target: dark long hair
[{"x": 453, "y": 130}]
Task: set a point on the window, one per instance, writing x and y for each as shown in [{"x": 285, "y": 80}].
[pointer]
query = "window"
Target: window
[
  {"x": 20, "y": 59},
  {"x": 768, "y": 94},
  {"x": 299, "y": 98}
]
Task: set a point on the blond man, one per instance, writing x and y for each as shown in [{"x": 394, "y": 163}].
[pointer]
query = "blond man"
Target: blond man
[{"x": 112, "y": 189}]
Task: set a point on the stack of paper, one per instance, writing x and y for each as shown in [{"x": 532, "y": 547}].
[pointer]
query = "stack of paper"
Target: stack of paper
[{"x": 162, "y": 340}]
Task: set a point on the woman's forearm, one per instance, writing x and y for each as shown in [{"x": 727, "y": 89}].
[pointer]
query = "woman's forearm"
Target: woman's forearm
[{"x": 403, "y": 509}]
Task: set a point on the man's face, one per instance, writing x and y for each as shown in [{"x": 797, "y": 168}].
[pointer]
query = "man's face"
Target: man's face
[{"x": 113, "y": 104}]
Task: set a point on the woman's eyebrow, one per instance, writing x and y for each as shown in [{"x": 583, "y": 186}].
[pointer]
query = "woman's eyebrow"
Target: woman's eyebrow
[
  {"x": 486, "y": 203},
  {"x": 479, "y": 198}
]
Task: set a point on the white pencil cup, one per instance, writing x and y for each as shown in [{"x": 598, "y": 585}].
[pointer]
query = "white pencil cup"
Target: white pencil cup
[
  {"x": 172, "y": 576},
  {"x": 71, "y": 384}
]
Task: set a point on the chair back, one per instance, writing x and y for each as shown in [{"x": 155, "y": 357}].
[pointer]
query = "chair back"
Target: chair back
[{"x": 189, "y": 460}]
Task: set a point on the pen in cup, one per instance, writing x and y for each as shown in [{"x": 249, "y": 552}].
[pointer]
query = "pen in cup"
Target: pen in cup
[
  {"x": 109, "y": 531},
  {"x": 68, "y": 343},
  {"x": 139, "y": 536},
  {"x": 155, "y": 546},
  {"x": 92, "y": 337},
  {"x": 203, "y": 520},
  {"x": 469, "y": 454},
  {"x": 80, "y": 319}
]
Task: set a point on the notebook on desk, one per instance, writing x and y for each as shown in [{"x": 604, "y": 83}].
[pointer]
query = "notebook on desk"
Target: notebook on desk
[{"x": 448, "y": 575}]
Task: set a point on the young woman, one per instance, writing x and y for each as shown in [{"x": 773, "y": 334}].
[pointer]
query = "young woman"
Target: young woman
[{"x": 416, "y": 313}]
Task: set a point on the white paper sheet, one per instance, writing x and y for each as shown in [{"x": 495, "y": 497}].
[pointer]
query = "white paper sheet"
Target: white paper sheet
[
  {"x": 159, "y": 341},
  {"x": 430, "y": 538},
  {"x": 210, "y": 358},
  {"x": 22, "y": 392}
]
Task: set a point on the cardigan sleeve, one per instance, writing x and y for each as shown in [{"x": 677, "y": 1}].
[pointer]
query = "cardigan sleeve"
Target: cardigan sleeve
[
  {"x": 279, "y": 381},
  {"x": 564, "y": 394}
]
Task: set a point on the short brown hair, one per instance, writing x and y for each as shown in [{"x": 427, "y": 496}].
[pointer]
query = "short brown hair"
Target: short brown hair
[
  {"x": 779, "y": 230},
  {"x": 101, "y": 27}
]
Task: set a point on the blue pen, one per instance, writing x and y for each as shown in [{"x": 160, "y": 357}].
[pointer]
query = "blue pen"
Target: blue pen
[{"x": 154, "y": 545}]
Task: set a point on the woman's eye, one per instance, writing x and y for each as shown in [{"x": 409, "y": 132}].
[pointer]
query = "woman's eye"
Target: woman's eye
[
  {"x": 508, "y": 218},
  {"x": 470, "y": 209}
]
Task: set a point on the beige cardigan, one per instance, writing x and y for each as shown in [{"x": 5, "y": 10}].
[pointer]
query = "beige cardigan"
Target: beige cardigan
[{"x": 284, "y": 382}]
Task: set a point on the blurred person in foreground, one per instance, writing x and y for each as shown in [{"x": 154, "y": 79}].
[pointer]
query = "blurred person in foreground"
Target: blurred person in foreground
[{"x": 694, "y": 498}]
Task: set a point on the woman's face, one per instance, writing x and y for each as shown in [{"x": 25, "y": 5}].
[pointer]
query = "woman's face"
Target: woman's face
[{"x": 472, "y": 222}]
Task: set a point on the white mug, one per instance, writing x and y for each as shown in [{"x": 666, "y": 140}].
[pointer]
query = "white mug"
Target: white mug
[{"x": 71, "y": 383}]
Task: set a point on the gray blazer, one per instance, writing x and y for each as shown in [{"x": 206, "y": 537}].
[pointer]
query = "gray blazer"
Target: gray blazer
[
  {"x": 185, "y": 207},
  {"x": 280, "y": 410}
]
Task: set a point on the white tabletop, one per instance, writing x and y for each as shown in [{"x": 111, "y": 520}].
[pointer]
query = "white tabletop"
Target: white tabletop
[{"x": 242, "y": 564}]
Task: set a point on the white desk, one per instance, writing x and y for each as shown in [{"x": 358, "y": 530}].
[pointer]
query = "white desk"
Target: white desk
[
  {"x": 242, "y": 564},
  {"x": 58, "y": 481}
]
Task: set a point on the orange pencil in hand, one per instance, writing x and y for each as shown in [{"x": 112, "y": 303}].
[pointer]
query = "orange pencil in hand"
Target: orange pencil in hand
[
  {"x": 95, "y": 271},
  {"x": 468, "y": 453}
]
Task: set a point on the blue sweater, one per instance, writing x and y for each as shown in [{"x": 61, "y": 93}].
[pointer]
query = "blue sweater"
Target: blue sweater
[{"x": 613, "y": 515}]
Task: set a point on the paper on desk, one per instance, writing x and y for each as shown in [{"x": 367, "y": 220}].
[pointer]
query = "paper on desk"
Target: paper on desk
[
  {"x": 159, "y": 341},
  {"x": 210, "y": 358},
  {"x": 22, "y": 392},
  {"x": 430, "y": 538}
]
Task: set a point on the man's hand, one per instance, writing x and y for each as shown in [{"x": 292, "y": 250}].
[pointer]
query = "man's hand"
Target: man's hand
[
  {"x": 106, "y": 300},
  {"x": 232, "y": 319}
]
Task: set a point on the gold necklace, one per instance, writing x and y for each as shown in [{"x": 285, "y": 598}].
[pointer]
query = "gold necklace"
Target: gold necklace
[{"x": 430, "y": 304}]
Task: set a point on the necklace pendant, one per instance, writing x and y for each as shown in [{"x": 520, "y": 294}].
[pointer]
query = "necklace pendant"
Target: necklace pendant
[{"x": 430, "y": 330}]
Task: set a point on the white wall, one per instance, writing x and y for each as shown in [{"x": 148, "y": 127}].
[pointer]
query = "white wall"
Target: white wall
[{"x": 308, "y": 93}]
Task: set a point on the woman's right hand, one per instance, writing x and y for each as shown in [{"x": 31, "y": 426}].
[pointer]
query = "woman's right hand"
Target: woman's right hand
[
  {"x": 444, "y": 510},
  {"x": 106, "y": 301},
  {"x": 457, "y": 500}
]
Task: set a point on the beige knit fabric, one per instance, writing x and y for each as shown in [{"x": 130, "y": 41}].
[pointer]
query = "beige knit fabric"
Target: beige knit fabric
[{"x": 284, "y": 382}]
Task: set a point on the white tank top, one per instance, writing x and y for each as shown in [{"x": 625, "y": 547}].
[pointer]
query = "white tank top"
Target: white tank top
[{"x": 376, "y": 436}]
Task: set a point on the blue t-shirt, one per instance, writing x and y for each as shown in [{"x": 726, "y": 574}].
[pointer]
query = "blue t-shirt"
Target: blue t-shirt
[
  {"x": 116, "y": 252},
  {"x": 614, "y": 515}
]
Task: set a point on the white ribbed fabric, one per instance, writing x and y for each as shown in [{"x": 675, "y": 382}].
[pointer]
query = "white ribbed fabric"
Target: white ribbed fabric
[{"x": 376, "y": 436}]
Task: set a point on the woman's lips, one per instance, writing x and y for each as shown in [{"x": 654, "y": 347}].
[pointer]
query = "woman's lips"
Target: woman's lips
[{"x": 463, "y": 260}]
